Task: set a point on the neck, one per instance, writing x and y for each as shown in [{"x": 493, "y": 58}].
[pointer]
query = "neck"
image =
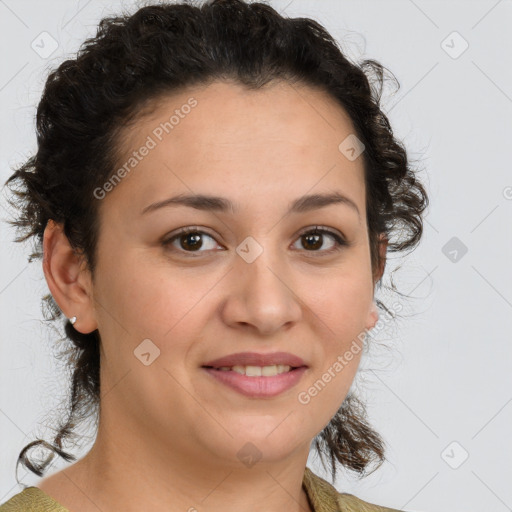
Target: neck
[{"x": 127, "y": 471}]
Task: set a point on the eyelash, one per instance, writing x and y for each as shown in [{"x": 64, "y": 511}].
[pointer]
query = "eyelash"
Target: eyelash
[{"x": 340, "y": 242}]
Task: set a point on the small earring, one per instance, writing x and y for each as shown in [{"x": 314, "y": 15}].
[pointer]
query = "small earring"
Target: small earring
[{"x": 72, "y": 320}]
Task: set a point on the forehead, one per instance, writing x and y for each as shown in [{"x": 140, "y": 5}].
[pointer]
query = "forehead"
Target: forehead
[
  {"x": 225, "y": 138},
  {"x": 228, "y": 113}
]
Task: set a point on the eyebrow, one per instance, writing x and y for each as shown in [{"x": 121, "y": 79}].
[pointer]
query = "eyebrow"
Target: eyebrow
[{"x": 221, "y": 204}]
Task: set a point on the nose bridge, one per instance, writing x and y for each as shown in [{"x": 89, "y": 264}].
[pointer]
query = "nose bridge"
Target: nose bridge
[
  {"x": 261, "y": 294},
  {"x": 261, "y": 269}
]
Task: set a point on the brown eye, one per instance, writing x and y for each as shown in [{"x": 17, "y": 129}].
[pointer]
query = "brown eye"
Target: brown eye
[
  {"x": 314, "y": 239},
  {"x": 191, "y": 240}
]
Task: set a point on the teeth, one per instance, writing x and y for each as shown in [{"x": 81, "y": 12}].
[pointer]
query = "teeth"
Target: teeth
[{"x": 258, "y": 371}]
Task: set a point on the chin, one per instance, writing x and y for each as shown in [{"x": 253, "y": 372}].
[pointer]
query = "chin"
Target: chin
[{"x": 269, "y": 439}]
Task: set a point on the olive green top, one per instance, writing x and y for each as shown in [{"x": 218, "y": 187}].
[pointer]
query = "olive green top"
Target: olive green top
[{"x": 322, "y": 496}]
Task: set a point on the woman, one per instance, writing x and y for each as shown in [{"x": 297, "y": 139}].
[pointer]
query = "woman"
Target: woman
[{"x": 214, "y": 194}]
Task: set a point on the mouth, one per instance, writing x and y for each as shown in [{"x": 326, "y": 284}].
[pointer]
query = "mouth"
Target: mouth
[
  {"x": 257, "y": 375},
  {"x": 251, "y": 361},
  {"x": 256, "y": 386},
  {"x": 256, "y": 371}
]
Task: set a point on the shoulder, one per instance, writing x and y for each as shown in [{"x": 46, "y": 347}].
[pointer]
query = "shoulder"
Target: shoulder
[
  {"x": 350, "y": 503},
  {"x": 31, "y": 499},
  {"x": 325, "y": 498}
]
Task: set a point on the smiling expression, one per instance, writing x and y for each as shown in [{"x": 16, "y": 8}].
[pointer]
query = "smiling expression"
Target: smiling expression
[{"x": 275, "y": 257}]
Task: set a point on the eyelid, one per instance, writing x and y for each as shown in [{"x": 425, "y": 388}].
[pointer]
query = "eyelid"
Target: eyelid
[
  {"x": 322, "y": 229},
  {"x": 168, "y": 239}
]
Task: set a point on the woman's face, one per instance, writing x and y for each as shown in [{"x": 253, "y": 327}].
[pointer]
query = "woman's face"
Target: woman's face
[{"x": 246, "y": 279}]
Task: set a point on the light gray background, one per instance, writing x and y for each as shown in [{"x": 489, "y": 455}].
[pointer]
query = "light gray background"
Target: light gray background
[{"x": 446, "y": 377}]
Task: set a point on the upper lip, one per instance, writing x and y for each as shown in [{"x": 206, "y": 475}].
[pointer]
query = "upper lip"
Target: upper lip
[{"x": 256, "y": 359}]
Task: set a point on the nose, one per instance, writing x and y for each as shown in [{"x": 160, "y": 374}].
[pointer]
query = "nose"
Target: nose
[{"x": 261, "y": 296}]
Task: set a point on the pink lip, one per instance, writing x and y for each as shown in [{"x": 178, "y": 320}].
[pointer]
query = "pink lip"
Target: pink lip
[
  {"x": 258, "y": 387},
  {"x": 256, "y": 359}
]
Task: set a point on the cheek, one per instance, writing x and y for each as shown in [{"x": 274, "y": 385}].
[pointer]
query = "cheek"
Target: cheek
[
  {"x": 164, "y": 305},
  {"x": 322, "y": 395},
  {"x": 341, "y": 301},
  {"x": 148, "y": 299},
  {"x": 342, "y": 308},
  {"x": 339, "y": 308},
  {"x": 140, "y": 303},
  {"x": 327, "y": 387}
]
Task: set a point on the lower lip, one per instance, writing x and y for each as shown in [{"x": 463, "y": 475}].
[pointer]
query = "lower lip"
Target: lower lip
[{"x": 258, "y": 387}]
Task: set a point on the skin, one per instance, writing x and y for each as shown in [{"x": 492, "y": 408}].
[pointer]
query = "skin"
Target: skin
[{"x": 169, "y": 433}]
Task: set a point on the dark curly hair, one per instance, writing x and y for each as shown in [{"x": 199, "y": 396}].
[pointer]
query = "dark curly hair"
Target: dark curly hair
[{"x": 90, "y": 101}]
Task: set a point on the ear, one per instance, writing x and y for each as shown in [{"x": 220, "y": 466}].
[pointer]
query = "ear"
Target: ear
[
  {"x": 68, "y": 278},
  {"x": 373, "y": 313},
  {"x": 383, "y": 246}
]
